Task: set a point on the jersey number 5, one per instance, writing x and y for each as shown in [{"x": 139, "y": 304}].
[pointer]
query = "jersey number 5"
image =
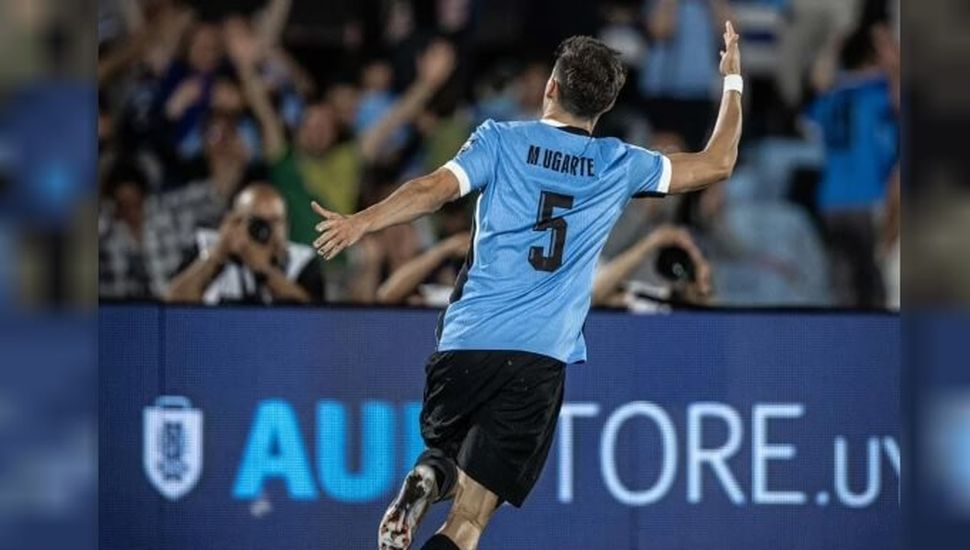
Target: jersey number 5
[{"x": 547, "y": 203}]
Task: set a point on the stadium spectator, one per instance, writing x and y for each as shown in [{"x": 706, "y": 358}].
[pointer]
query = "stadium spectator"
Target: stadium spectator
[
  {"x": 195, "y": 105},
  {"x": 376, "y": 100},
  {"x": 123, "y": 269},
  {"x": 130, "y": 75},
  {"x": 889, "y": 252},
  {"x": 521, "y": 99},
  {"x": 680, "y": 86},
  {"x": 316, "y": 165},
  {"x": 144, "y": 235},
  {"x": 618, "y": 285},
  {"x": 188, "y": 83},
  {"x": 763, "y": 252},
  {"x": 250, "y": 259},
  {"x": 380, "y": 254},
  {"x": 191, "y": 84},
  {"x": 429, "y": 278},
  {"x": 810, "y": 44},
  {"x": 860, "y": 132}
]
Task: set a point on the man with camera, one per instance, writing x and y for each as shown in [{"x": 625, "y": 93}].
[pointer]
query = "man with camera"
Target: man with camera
[
  {"x": 250, "y": 258},
  {"x": 676, "y": 273}
]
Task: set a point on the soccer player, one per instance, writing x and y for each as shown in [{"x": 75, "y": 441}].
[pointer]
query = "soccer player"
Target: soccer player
[{"x": 548, "y": 195}]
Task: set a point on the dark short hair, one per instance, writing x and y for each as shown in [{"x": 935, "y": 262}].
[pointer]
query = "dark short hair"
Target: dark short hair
[
  {"x": 125, "y": 172},
  {"x": 590, "y": 76},
  {"x": 858, "y": 49}
]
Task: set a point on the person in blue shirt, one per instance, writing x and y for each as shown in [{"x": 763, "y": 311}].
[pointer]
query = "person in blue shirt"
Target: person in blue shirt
[
  {"x": 548, "y": 194},
  {"x": 678, "y": 74},
  {"x": 858, "y": 124}
]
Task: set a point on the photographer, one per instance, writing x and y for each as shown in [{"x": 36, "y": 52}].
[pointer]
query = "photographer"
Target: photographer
[
  {"x": 250, "y": 259},
  {"x": 683, "y": 271}
]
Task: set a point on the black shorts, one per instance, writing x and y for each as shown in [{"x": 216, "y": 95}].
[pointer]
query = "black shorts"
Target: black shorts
[{"x": 494, "y": 413}]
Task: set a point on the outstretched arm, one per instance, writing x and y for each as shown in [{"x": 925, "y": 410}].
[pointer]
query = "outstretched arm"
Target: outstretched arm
[
  {"x": 695, "y": 171},
  {"x": 409, "y": 202}
]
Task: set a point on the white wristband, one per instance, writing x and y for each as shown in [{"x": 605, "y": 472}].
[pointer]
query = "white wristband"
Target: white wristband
[{"x": 734, "y": 82}]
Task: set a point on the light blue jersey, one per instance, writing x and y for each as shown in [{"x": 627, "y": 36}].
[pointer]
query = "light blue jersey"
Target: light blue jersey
[{"x": 549, "y": 197}]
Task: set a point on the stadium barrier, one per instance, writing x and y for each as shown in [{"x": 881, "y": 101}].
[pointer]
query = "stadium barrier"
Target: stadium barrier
[{"x": 251, "y": 428}]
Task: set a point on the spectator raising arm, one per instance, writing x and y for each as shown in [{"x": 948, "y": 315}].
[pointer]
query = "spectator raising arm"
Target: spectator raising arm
[
  {"x": 243, "y": 49},
  {"x": 270, "y": 21},
  {"x": 435, "y": 66},
  {"x": 695, "y": 171},
  {"x": 155, "y": 43},
  {"x": 617, "y": 271},
  {"x": 298, "y": 74},
  {"x": 403, "y": 282},
  {"x": 173, "y": 24}
]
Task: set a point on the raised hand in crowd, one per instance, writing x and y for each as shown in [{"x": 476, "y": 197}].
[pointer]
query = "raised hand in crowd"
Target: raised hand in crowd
[
  {"x": 270, "y": 21},
  {"x": 436, "y": 63},
  {"x": 434, "y": 67},
  {"x": 242, "y": 45},
  {"x": 243, "y": 48},
  {"x": 188, "y": 93},
  {"x": 153, "y": 38},
  {"x": 168, "y": 28}
]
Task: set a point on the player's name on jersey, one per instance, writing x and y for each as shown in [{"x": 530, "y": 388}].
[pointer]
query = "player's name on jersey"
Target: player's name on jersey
[{"x": 558, "y": 161}]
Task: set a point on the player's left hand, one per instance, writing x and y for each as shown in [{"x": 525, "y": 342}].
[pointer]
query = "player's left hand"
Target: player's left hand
[
  {"x": 731, "y": 56},
  {"x": 337, "y": 232}
]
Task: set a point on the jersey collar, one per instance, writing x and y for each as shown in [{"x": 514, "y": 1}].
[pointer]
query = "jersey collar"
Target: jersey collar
[{"x": 565, "y": 127}]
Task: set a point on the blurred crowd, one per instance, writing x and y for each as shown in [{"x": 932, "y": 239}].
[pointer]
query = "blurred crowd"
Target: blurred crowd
[{"x": 219, "y": 122}]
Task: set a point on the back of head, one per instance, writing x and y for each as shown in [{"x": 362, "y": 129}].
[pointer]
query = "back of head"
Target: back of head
[{"x": 589, "y": 75}]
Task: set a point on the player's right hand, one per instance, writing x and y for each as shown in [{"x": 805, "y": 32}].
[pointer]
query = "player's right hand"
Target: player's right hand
[
  {"x": 337, "y": 232},
  {"x": 731, "y": 56}
]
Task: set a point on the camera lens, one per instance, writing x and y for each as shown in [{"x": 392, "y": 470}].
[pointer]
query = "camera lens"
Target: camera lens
[
  {"x": 259, "y": 230},
  {"x": 675, "y": 264}
]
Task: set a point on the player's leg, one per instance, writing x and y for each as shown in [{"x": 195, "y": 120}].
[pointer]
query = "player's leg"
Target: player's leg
[
  {"x": 506, "y": 445},
  {"x": 433, "y": 478},
  {"x": 456, "y": 385},
  {"x": 474, "y": 505}
]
